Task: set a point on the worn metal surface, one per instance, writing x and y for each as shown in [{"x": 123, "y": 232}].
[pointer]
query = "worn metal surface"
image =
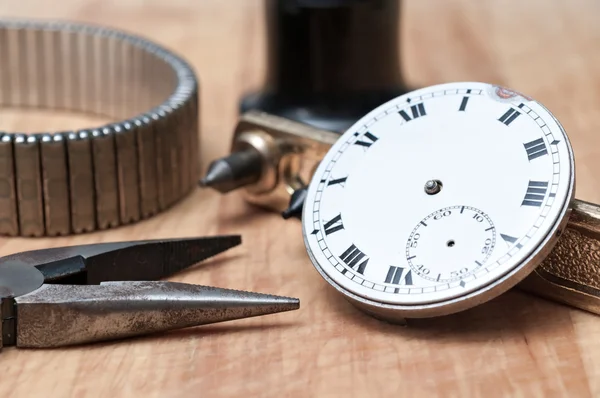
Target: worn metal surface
[
  {"x": 105, "y": 178},
  {"x": 15, "y": 280},
  {"x": 8, "y": 194},
  {"x": 55, "y": 185},
  {"x": 61, "y": 315},
  {"x": 571, "y": 272},
  {"x": 127, "y": 174},
  {"x": 46, "y": 300},
  {"x": 59, "y": 183},
  {"x": 148, "y": 180},
  {"x": 29, "y": 185}
]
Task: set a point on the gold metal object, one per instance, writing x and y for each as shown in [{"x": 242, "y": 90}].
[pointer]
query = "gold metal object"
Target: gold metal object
[
  {"x": 570, "y": 274},
  {"x": 60, "y": 183},
  {"x": 291, "y": 151}
]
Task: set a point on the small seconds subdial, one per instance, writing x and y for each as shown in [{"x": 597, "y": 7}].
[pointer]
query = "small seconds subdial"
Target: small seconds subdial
[{"x": 451, "y": 243}]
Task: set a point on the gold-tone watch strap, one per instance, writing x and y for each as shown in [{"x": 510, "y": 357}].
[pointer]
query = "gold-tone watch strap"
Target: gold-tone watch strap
[
  {"x": 571, "y": 272},
  {"x": 59, "y": 183}
]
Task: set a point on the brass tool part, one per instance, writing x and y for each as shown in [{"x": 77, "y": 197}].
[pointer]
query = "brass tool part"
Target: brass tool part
[
  {"x": 271, "y": 157},
  {"x": 290, "y": 152},
  {"x": 68, "y": 182}
]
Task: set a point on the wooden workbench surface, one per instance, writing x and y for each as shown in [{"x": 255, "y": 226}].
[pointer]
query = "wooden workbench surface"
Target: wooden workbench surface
[{"x": 516, "y": 345}]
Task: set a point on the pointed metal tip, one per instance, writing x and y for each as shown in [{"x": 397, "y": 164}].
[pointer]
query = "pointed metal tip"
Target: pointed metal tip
[
  {"x": 243, "y": 304},
  {"x": 207, "y": 181},
  {"x": 190, "y": 251},
  {"x": 296, "y": 204},
  {"x": 218, "y": 173},
  {"x": 149, "y": 259},
  {"x": 282, "y": 304},
  {"x": 234, "y": 171},
  {"x": 217, "y": 244},
  {"x": 132, "y": 309}
]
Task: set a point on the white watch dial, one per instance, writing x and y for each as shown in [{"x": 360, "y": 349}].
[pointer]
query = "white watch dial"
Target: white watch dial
[{"x": 437, "y": 194}]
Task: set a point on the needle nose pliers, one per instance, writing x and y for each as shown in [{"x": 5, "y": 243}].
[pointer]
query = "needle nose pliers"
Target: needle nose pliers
[{"x": 82, "y": 294}]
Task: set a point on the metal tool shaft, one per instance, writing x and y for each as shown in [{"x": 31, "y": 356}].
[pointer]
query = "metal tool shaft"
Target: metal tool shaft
[{"x": 62, "y": 315}]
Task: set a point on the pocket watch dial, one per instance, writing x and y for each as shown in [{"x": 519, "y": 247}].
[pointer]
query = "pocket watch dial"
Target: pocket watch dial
[{"x": 439, "y": 194}]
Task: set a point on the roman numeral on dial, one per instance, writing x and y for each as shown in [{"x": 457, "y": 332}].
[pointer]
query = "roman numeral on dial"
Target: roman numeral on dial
[
  {"x": 417, "y": 110},
  {"x": 510, "y": 240},
  {"x": 370, "y": 140},
  {"x": 333, "y": 225},
  {"x": 353, "y": 257},
  {"x": 398, "y": 276},
  {"x": 535, "y": 149},
  {"x": 463, "y": 104},
  {"x": 509, "y": 116},
  {"x": 536, "y": 191},
  {"x": 337, "y": 181}
]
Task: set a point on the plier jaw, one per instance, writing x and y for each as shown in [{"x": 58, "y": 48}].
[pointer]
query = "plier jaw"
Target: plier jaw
[{"x": 82, "y": 294}]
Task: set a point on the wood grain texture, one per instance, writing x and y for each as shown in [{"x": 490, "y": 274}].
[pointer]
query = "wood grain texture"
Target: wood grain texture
[{"x": 516, "y": 345}]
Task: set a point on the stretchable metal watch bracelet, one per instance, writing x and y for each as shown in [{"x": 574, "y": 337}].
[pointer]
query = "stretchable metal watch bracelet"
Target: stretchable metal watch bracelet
[{"x": 59, "y": 183}]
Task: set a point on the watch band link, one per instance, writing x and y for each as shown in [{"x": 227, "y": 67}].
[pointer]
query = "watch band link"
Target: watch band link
[{"x": 60, "y": 183}]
